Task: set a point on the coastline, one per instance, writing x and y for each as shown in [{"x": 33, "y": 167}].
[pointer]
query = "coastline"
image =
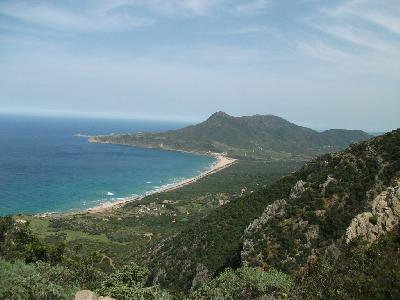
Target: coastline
[{"x": 222, "y": 162}]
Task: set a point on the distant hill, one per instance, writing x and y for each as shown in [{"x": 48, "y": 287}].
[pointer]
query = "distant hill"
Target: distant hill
[
  {"x": 332, "y": 201},
  {"x": 258, "y": 136}
]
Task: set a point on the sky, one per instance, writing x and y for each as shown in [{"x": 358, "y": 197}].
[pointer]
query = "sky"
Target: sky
[{"x": 321, "y": 64}]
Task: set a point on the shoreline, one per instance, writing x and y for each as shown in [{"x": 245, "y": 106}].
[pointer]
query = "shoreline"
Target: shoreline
[{"x": 222, "y": 162}]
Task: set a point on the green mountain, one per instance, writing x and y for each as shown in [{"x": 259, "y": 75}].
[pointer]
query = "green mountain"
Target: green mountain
[
  {"x": 333, "y": 201},
  {"x": 259, "y": 136}
]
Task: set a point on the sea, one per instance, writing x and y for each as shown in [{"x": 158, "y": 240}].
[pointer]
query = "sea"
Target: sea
[{"x": 46, "y": 168}]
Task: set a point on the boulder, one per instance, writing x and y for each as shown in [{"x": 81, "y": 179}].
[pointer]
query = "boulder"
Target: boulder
[
  {"x": 86, "y": 295},
  {"x": 89, "y": 295}
]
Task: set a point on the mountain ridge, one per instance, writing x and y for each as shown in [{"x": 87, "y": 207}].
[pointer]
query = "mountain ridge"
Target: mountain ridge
[{"x": 258, "y": 136}]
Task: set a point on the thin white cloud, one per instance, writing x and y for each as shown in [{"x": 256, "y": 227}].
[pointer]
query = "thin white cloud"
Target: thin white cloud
[
  {"x": 205, "y": 7},
  {"x": 323, "y": 51},
  {"x": 359, "y": 37},
  {"x": 350, "y": 34},
  {"x": 63, "y": 19},
  {"x": 389, "y": 22},
  {"x": 104, "y": 15},
  {"x": 251, "y": 7},
  {"x": 245, "y": 30},
  {"x": 182, "y": 7},
  {"x": 383, "y": 13}
]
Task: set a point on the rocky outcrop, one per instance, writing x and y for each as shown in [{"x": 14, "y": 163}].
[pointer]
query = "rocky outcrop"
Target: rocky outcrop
[
  {"x": 154, "y": 276},
  {"x": 383, "y": 217},
  {"x": 297, "y": 190},
  {"x": 273, "y": 210},
  {"x": 323, "y": 186},
  {"x": 201, "y": 277}
]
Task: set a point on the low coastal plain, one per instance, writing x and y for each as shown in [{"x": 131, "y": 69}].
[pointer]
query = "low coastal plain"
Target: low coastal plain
[{"x": 221, "y": 163}]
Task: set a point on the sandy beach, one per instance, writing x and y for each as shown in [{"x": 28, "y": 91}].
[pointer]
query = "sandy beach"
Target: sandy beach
[{"x": 221, "y": 163}]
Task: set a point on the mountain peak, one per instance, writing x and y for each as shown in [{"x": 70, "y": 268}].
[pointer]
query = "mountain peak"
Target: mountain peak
[{"x": 219, "y": 115}]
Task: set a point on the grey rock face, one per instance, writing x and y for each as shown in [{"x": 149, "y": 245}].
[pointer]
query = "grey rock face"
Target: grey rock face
[
  {"x": 297, "y": 190},
  {"x": 383, "y": 217},
  {"x": 329, "y": 179},
  {"x": 275, "y": 209},
  {"x": 200, "y": 277}
]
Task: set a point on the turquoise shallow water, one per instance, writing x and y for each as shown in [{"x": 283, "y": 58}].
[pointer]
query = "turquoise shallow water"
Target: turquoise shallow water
[{"x": 45, "y": 168}]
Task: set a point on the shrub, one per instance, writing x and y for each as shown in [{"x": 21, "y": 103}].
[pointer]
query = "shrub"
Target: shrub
[
  {"x": 128, "y": 283},
  {"x": 35, "y": 281},
  {"x": 246, "y": 283},
  {"x": 18, "y": 242},
  {"x": 373, "y": 220}
]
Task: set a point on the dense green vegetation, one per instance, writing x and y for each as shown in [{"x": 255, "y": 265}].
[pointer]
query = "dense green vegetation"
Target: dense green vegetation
[
  {"x": 18, "y": 242},
  {"x": 30, "y": 268},
  {"x": 214, "y": 241},
  {"x": 315, "y": 220},
  {"x": 46, "y": 277},
  {"x": 33, "y": 269},
  {"x": 358, "y": 174},
  {"x": 129, "y": 283},
  {"x": 36, "y": 281},
  {"x": 245, "y": 283},
  {"x": 361, "y": 271},
  {"x": 265, "y": 137}
]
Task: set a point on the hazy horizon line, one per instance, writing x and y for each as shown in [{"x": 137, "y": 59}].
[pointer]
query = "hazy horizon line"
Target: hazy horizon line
[{"x": 154, "y": 118}]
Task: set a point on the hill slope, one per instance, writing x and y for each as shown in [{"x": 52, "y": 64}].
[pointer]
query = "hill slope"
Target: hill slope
[
  {"x": 331, "y": 201},
  {"x": 259, "y": 136}
]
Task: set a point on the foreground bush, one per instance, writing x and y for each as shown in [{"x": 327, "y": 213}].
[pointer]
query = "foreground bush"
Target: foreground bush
[
  {"x": 17, "y": 242},
  {"x": 246, "y": 283},
  {"x": 128, "y": 283},
  {"x": 38, "y": 281}
]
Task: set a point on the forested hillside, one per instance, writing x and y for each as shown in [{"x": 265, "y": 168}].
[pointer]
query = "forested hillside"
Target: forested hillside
[{"x": 333, "y": 200}]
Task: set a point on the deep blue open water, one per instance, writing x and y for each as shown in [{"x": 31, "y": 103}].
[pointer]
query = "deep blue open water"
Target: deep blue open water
[{"x": 45, "y": 168}]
